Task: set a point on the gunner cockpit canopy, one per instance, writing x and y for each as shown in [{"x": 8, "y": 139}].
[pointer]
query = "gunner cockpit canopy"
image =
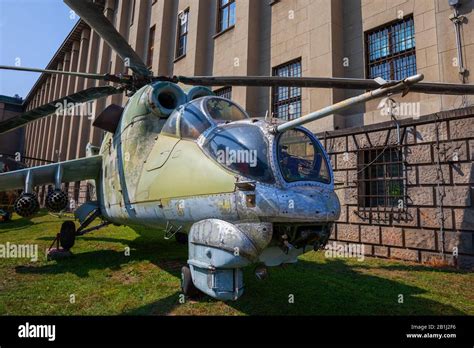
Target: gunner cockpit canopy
[{"x": 192, "y": 119}]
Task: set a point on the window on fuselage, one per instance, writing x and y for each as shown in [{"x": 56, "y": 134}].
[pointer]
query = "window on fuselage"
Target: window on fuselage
[
  {"x": 301, "y": 158},
  {"x": 171, "y": 125},
  {"x": 192, "y": 123},
  {"x": 222, "y": 110},
  {"x": 241, "y": 148}
]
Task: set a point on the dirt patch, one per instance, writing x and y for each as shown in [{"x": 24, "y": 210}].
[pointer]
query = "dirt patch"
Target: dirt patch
[{"x": 126, "y": 277}]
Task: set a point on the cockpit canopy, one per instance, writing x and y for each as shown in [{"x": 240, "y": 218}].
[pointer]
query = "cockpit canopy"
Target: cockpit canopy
[
  {"x": 301, "y": 158},
  {"x": 243, "y": 148},
  {"x": 191, "y": 120}
]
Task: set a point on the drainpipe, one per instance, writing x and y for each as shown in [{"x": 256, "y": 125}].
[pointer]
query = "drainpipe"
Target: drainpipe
[{"x": 458, "y": 20}]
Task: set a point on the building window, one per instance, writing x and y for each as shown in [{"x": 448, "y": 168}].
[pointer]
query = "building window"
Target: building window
[
  {"x": 381, "y": 178},
  {"x": 182, "y": 35},
  {"x": 226, "y": 14},
  {"x": 391, "y": 50},
  {"x": 151, "y": 44},
  {"x": 286, "y": 101},
  {"x": 132, "y": 12},
  {"x": 225, "y": 92}
]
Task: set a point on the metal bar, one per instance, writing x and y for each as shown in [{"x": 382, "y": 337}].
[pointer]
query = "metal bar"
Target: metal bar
[
  {"x": 25, "y": 158},
  {"x": 29, "y": 182},
  {"x": 105, "y": 77},
  {"x": 382, "y": 91},
  {"x": 457, "y": 21},
  {"x": 58, "y": 177}
]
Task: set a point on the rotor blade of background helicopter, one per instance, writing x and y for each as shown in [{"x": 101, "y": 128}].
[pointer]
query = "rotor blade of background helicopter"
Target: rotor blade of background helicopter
[
  {"x": 92, "y": 15},
  {"x": 50, "y": 108},
  {"x": 319, "y": 82},
  {"x": 105, "y": 77}
]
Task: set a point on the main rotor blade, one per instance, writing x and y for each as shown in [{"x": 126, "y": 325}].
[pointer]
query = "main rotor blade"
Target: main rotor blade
[
  {"x": 93, "y": 16},
  {"x": 50, "y": 108},
  {"x": 320, "y": 82},
  {"x": 105, "y": 77}
]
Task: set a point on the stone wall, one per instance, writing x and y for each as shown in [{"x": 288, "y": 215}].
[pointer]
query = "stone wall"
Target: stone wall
[{"x": 438, "y": 207}]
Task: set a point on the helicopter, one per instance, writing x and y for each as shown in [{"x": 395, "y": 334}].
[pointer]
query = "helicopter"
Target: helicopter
[{"x": 238, "y": 190}]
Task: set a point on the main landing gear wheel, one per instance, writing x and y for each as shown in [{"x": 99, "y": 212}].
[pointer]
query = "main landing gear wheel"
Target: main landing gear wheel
[
  {"x": 187, "y": 285},
  {"x": 67, "y": 235}
]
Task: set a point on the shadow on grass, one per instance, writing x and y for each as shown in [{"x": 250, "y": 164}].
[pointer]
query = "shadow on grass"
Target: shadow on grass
[
  {"x": 416, "y": 268},
  {"x": 148, "y": 246},
  {"x": 21, "y": 223},
  {"x": 332, "y": 287},
  {"x": 162, "y": 307},
  {"x": 15, "y": 225}
]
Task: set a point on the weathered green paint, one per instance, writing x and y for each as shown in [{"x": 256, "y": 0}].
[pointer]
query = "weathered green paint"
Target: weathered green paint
[
  {"x": 187, "y": 172},
  {"x": 142, "y": 165}
]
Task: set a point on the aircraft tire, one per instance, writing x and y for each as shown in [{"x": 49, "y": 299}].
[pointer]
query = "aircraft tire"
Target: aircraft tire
[
  {"x": 187, "y": 285},
  {"x": 67, "y": 235}
]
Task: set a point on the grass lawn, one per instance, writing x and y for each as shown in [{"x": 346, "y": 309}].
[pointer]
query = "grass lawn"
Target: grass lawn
[{"x": 105, "y": 281}]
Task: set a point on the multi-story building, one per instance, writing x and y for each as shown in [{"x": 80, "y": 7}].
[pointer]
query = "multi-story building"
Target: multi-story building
[
  {"x": 12, "y": 142},
  {"x": 403, "y": 167}
]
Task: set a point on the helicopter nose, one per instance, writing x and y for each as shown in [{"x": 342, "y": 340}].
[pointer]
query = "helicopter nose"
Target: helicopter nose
[{"x": 309, "y": 203}]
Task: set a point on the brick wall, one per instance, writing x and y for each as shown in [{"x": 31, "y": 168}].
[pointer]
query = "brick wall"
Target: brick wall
[{"x": 437, "y": 206}]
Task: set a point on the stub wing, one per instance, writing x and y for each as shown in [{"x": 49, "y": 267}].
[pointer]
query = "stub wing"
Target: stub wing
[{"x": 68, "y": 171}]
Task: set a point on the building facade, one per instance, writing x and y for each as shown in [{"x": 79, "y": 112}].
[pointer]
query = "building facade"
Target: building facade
[
  {"x": 393, "y": 205},
  {"x": 12, "y": 142},
  {"x": 406, "y": 188}
]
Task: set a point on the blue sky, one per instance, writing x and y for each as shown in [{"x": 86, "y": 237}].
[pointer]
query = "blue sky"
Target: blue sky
[{"x": 31, "y": 30}]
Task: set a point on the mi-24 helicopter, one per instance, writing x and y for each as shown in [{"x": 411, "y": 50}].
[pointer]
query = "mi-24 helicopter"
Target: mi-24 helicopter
[{"x": 241, "y": 188}]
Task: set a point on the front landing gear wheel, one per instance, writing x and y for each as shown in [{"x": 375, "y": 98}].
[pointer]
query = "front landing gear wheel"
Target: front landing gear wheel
[
  {"x": 67, "y": 235},
  {"x": 187, "y": 285}
]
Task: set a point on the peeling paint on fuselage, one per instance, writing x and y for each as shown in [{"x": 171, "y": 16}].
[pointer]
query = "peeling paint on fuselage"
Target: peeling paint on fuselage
[{"x": 190, "y": 186}]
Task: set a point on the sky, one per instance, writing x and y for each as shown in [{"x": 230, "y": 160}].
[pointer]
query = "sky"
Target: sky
[{"x": 31, "y": 32}]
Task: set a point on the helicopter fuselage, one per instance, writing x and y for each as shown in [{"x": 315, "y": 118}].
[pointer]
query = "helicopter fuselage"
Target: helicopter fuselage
[{"x": 167, "y": 181}]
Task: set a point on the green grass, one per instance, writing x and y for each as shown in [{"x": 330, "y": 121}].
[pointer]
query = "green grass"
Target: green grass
[{"x": 106, "y": 282}]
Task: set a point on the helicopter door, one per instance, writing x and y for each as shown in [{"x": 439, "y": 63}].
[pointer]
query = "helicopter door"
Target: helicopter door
[{"x": 161, "y": 151}]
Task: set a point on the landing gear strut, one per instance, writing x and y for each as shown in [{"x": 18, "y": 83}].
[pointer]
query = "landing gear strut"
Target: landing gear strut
[{"x": 66, "y": 237}]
